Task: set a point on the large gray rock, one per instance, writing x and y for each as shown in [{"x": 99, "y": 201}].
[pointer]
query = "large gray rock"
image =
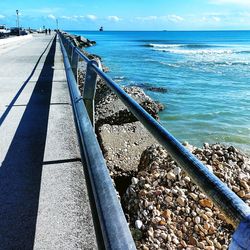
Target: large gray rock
[
  {"x": 79, "y": 41},
  {"x": 110, "y": 110},
  {"x": 123, "y": 145}
]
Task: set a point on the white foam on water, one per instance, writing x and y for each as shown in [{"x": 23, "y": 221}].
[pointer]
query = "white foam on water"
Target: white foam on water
[
  {"x": 198, "y": 51},
  {"x": 165, "y": 45}
]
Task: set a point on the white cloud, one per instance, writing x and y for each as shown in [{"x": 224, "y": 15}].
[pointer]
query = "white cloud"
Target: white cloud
[
  {"x": 91, "y": 17},
  {"x": 114, "y": 18},
  {"x": 78, "y": 18},
  {"x": 236, "y": 2},
  {"x": 171, "y": 18},
  {"x": 175, "y": 18},
  {"x": 2, "y": 16},
  {"x": 50, "y": 16}
]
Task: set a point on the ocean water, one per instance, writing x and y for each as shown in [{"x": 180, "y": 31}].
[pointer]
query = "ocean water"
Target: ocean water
[{"x": 206, "y": 76}]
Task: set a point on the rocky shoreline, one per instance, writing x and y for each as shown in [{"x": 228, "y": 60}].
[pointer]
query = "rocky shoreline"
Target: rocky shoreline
[
  {"x": 164, "y": 209},
  {"x": 79, "y": 41},
  {"x": 167, "y": 211}
]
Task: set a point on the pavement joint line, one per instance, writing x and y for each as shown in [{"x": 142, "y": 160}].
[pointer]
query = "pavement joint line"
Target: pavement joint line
[
  {"x": 5, "y": 114},
  {"x": 24, "y": 105},
  {"x": 43, "y": 187},
  {"x": 61, "y": 161},
  {"x": 60, "y": 81}
]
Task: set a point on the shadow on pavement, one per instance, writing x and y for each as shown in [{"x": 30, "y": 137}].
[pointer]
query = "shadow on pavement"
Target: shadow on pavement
[
  {"x": 20, "y": 173},
  {"x": 2, "y": 118}
]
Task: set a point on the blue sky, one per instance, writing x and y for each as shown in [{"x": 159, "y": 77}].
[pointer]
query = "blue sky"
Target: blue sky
[{"x": 129, "y": 14}]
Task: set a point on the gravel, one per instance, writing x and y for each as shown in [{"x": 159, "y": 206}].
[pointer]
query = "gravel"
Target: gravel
[
  {"x": 174, "y": 213},
  {"x": 165, "y": 210}
]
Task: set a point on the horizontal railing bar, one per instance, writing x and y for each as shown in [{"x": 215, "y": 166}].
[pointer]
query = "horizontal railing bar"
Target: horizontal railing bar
[
  {"x": 115, "y": 231},
  {"x": 82, "y": 55},
  {"x": 233, "y": 207}
]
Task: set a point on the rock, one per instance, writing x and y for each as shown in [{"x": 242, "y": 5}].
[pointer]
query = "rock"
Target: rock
[
  {"x": 150, "y": 156},
  {"x": 176, "y": 207},
  {"x": 194, "y": 196},
  {"x": 201, "y": 245},
  {"x": 197, "y": 220},
  {"x": 157, "y": 89},
  {"x": 164, "y": 236},
  {"x": 110, "y": 110},
  {"x": 206, "y": 203},
  {"x": 151, "y": 232},
  {"x": 123, "y": 145},
  {"x": 175, "y": 241},
  {"x": 193, "y": 241},
  {"x": 134, "y": 180},
  {"x": 183, "y": 243},
  {"x": 164, "y": 208},
  {"x": 79, "y": 41},
  {"x": 171, "y": 175},
  {"x": 181, "y": 200},
  {"x": 167, "y": 214},
  {"x": 138, "y": 224},
  {"x": 241, "y": 193},
  {"x": 177, "y": 170},
  {"x": 209, "y": 247}
]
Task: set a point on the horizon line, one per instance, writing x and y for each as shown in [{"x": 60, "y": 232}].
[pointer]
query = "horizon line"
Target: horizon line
[{"x": 158, "y": 30}]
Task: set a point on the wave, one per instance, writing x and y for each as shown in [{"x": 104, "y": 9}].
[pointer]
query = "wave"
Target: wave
[
  {"x": 195, "y": 52},
  {"x": 119, "y": 79},
  {"x": 195, "y": 49},
  {"x": 209, "y": 64},
  {"x": 237, "y": 63},
  {"x": 243, "y": 52},
  {"x": 191, "y": 46},
  {"x": 163, "y": 45}
]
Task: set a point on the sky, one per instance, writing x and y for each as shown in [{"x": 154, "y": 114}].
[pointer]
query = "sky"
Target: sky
[{"x": 128, "y": 14}]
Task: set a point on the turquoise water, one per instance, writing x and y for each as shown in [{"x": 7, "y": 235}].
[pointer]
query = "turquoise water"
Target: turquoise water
[{"x": 206, "y": 74}]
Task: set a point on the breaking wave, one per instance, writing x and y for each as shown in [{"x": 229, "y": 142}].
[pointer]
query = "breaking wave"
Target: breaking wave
[
  {"x": 192, "y": 49},
  {"x": 191, "y": 46},
  {"x": 198, "y": 51}
]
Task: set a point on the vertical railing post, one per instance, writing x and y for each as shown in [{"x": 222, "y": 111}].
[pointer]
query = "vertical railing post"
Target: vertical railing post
[
  {"x": 89, "y": 89},
  {"x": 74, "y": 63},
  {"x": 241, "y": 237},
  {"x": 67, "y": 46},
  {"x": 71, "y": 51}
]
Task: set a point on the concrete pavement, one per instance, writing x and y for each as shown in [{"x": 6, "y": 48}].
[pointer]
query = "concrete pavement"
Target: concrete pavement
[{"x": 44, "y": 201}]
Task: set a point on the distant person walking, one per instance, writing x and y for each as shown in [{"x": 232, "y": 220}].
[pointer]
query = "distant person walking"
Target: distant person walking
[
  {"x": 49, "y": 31},
  {"x": 46, "y": 31}
]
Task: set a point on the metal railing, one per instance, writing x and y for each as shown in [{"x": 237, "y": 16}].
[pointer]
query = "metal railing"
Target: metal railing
[
  {"x": 234, "y": 208},
  {"x": 115, "y": 231}
]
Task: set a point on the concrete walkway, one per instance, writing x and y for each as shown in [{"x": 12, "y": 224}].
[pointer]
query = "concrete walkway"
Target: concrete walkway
[{"x": 43, "y": 197}]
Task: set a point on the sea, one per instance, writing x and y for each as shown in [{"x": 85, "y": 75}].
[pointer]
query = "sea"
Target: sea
[{"x": 204, "y": 78}]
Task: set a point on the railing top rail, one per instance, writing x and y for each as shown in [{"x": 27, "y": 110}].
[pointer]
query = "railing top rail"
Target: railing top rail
[
  {"x": 115, "y": 231},
  {"x": 235, "y": 209},
  {"x": 79, "y": 52}
]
